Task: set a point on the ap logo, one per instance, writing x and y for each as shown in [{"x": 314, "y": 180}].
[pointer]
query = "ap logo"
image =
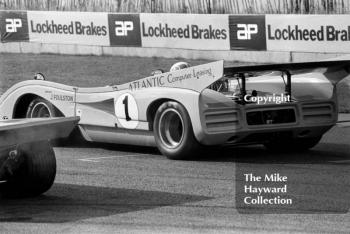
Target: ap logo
[
  {"x": 13, "y": 24},
  {"x": 123, "y": 27},
  {"x": 245, "y": 31}
]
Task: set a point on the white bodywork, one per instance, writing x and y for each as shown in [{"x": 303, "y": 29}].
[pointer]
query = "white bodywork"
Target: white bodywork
[{"x": 123, "y": 113}]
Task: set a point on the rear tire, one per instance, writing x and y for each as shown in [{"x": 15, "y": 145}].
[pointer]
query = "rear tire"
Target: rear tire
[
  {"x": 36, "y": 173},
  {"x": 292, "y": 145},
  {"x": 173, "y": 132},
  {"x": 40, "y": 108}
]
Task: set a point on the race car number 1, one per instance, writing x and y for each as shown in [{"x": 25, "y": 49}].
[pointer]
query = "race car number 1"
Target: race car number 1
[{"x": 126, "y": 111}]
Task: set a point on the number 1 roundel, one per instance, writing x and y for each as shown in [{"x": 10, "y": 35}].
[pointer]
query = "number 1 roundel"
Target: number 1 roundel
[{"x": 126, "y": 111}]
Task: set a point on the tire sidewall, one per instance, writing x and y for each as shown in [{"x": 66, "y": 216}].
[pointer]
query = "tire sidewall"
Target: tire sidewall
[
  {"x": 188, "y": 143},
  {"x": 35, "y": 102}
]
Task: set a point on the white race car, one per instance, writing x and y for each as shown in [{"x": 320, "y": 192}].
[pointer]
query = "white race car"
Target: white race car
[{"x": 283, "y": 106}]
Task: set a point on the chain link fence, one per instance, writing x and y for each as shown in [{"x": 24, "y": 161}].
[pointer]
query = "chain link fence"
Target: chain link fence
[{"x": 186, "y": 6}]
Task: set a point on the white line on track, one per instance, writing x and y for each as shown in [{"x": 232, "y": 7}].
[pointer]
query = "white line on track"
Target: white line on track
[{"x": 98, "y": 159}]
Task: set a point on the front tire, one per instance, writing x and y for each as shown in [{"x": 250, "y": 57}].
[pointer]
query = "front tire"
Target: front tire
[
  {"x": 173, "y": 132},
  {"x": 36, "y": 173},
  {"x": 40, "y": 108}
]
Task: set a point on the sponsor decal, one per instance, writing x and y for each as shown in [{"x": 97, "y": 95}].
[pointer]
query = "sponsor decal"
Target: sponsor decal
[
  {"x": 311, "y": 33},
  {"x": 195, "y": 78},
  {"x": 247, "y": 32},
  {"x": 170, "y": 78},
  {"x": 13, "y": 26},
  {"x": 84, "y": 28},
  {"x": 62, "y": 98},
  {"x": 203, "y": 32},
  {"x": 124, "y": 29}
]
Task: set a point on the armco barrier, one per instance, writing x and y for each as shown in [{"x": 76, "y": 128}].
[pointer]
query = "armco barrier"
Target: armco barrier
[{"x": 246, "y": 38}]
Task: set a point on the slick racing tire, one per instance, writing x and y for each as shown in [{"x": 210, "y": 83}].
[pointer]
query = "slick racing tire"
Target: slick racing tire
[
  {"x": 173, "y": 132},
  {"x": 292, "y": 145},
  {"x": 36, "y": 173},
  {"x": 40, "y": 108}
]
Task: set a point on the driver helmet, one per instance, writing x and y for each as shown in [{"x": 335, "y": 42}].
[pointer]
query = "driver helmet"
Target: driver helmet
[{"x": 179, "y": 66}]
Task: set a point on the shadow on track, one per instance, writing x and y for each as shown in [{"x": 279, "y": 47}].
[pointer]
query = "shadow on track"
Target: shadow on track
[
  {"x": 69, "y": 203},
  {"x": 334, "y": 148},
  {"x": 323, "y": 153}
]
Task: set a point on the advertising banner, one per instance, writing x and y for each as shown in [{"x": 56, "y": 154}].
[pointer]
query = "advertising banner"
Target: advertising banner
[
  {"x": 84, "y": 28},
  {"x": 124, "y": 29},
  {"x": 13, "y": 26},
  {"x": 247, "y": 32},
  {"x": 185, "y": 31},
  {"x": 308, "y": 33}
]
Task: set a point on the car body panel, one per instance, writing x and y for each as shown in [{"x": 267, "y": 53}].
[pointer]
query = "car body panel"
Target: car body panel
[{"x": 20, "y": 131}]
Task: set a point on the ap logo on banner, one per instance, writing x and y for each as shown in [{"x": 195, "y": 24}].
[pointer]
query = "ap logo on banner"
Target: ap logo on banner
[
  {"x": 247, "y": 32},
  {"x": 124, "y": 29},
  {"x": 14, "y": 26}
]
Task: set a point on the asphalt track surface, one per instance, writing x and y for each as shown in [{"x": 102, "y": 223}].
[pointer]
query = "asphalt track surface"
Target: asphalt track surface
[
  {"x": 103, "y": 188},
  {"x": 111, "y": 188}
]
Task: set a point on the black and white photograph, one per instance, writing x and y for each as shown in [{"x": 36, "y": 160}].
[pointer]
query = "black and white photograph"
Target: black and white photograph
[{"x": 174, "y": 116}]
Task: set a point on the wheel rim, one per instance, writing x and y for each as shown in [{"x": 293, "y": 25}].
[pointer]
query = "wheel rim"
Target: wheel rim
[
  {"x": 171, "y": 128},
  {"x": 40, "y": 110}
]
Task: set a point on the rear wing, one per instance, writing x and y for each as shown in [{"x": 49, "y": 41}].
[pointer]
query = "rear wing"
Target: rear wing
[
  {"x": 336, "y": 71},
  {"x": 19, "y": 131},
  {"x": 292, "y": 67}
]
